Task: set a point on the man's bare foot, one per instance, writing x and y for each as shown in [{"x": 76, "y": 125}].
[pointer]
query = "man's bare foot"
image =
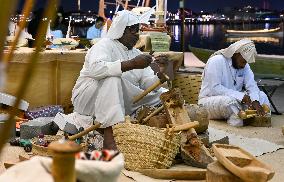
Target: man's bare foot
[{"x": 109, "y": 142}]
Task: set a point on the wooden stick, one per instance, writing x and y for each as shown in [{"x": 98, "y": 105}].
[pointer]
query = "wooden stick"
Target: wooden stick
[
  {"x": 63, "y": 164},
  {"x": 148, "y": 90},
  {"x": 26, "y": 12},
  {"x": 86, "y": 131},
  {"x": 153, "y": 113},
  {"x": 184, "y": 127},
  {"x": 7, "y": 8},
  {"x": 40, "y": 38}
]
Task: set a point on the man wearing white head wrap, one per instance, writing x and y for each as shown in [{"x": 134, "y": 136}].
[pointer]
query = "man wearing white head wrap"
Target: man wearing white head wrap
[
  {"x": 113, "y": 73},
  {"x": 228, "y": 83}
]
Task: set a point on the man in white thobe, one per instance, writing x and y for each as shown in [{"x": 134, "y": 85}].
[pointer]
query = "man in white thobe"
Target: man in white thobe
[
  {"x": 228, "y": 84},
  {"x": 113, "y": 73}
]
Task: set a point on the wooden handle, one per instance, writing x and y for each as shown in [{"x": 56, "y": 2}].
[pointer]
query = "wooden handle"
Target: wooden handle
[
  {"x": 153, "y": 113},
  {"x": 86, "y": 131},
  {"x": 251, "y": 115},
  {"x": 184, "y": 127},
  {"x": 63, "y": 163},
  {"x": 148, "y": 90}
]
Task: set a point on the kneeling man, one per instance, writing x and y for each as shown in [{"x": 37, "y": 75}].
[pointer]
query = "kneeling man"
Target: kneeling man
[{"x": 228, "y": 84}]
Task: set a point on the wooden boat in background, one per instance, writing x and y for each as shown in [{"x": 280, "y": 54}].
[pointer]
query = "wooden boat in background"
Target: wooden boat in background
[
  {"x": 269, "y": 66},
  {"x": 242, "y": 164},
  {"x": 262, "y": 32}
]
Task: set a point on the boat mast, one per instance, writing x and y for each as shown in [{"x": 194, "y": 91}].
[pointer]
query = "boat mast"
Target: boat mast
[
  {"x": 79, "y": 4},
  {"x": 160, "y": 13},
  {"x": 147, "y": 4},
  {"x": 126, "y": 4},
  {"x": 102, "y": 9}
]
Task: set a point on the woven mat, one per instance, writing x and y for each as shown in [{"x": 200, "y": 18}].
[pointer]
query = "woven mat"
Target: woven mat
[
  {"x": 11, "y": 154},
  {"x": 255, "y": 146}
]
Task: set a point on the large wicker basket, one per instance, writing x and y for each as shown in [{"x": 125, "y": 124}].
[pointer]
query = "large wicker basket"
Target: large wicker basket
[
  {"x": 189, "y": 85},
  {"x": 145, "y": 147}
]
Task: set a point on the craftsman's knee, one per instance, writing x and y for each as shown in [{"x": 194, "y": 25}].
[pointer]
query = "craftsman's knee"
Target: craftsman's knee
[{"x": 263, "y": 98}]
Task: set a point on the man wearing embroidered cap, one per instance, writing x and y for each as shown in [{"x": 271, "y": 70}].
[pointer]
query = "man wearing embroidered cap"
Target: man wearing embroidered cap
[
  {"x": 228, "y": 84},
  {"x": 113, "y": 73}
]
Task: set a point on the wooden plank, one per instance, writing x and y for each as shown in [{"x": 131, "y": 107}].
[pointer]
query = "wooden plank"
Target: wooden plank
[{"x": 178, "y": 172}]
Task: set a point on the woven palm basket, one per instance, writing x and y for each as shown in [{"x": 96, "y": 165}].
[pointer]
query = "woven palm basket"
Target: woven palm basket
[
  {"x": 145, "y": 147},
  {"x": 189, "y": 85},
  {"x": 43, "y": 151}
]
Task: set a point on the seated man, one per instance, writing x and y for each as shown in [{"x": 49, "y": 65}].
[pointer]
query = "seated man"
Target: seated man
[
  {"x": 113, "y": 73},
  {"x": 228, "y": 84},
  {"x": 95, "y": 31}
]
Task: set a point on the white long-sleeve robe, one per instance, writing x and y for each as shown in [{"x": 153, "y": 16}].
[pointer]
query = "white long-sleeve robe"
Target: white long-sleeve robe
[
  {"x": 218, "y": 92},
  {"x": 104, "y": 92}
]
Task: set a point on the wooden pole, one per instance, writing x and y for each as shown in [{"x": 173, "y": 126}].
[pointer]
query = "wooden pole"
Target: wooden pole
[
  {"x": 88, "y": 130},
  {"x": 7, "y": 8},
  {"x": 40, "y": 38},
  {"x": 147, "y": 3},
  {"x": 102, "y": 9},
  {"x": 26, "y": 12},
  {"x": 126, "y": 5},
  {"x": 182, "y": 26},
  {"x": 63, "y": 165}
]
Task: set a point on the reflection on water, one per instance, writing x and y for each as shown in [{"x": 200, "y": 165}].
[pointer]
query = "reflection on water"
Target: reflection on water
[
  {"x": 269, "y": 40},
  {"x": 213, "y": 37}
]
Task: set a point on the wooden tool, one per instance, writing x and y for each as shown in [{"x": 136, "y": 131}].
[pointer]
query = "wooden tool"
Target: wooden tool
[
  {"x": 149, "y": 89},
  {"x": 217, "y": 172},
  {"x": 166, "y": 74},
  {"x": 86, "y": 131},
  {"x": 177, "y": 172},
  {"x": 183, "y": 127},
  {"x": 193, "y": 151},
  {"x": 242, "y": 164},
  {"x": 252, "y": 113},
  {"x": 63, "y": 165},
  {"x": 153, "y": 113}
]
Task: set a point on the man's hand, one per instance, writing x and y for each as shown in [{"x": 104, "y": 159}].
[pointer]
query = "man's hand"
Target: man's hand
[
  {"x": 246, "y": 100},
  {"x": 142, "y": 61},
  {"x": 139, "y": 62},
  {"x": 259, "y": 109},
  {"x": 162, "y": 61}
]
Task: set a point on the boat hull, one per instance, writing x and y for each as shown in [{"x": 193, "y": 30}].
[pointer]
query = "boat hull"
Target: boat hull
[{"x": 242, "y": 164}]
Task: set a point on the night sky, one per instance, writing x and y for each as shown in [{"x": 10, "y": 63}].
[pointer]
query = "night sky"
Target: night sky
[{"x": 195, "y": 5}]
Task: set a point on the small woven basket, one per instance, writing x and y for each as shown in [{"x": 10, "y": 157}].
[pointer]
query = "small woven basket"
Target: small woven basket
[
  {"x": 43, "y": 151},
  {"x": 145, "y": 147},
  {"x": 189, "y": 85}
]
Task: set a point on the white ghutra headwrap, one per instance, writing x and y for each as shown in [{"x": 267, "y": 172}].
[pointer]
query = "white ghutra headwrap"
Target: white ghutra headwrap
[
  {"x": 127, "y": 18},
  {"x": 245, "y": 47}
]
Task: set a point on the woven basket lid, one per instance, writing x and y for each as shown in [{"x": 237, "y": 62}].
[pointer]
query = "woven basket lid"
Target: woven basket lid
[{"x": 10, "y": 100}]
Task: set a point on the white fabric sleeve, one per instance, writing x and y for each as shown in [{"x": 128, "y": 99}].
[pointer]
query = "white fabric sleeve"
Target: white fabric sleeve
[
  {"x": 214, "y": 78},
  {"x": 148, "y": 78},
  {"x": 250, "y": 84},
  {"x": 101, "y": 65}
]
